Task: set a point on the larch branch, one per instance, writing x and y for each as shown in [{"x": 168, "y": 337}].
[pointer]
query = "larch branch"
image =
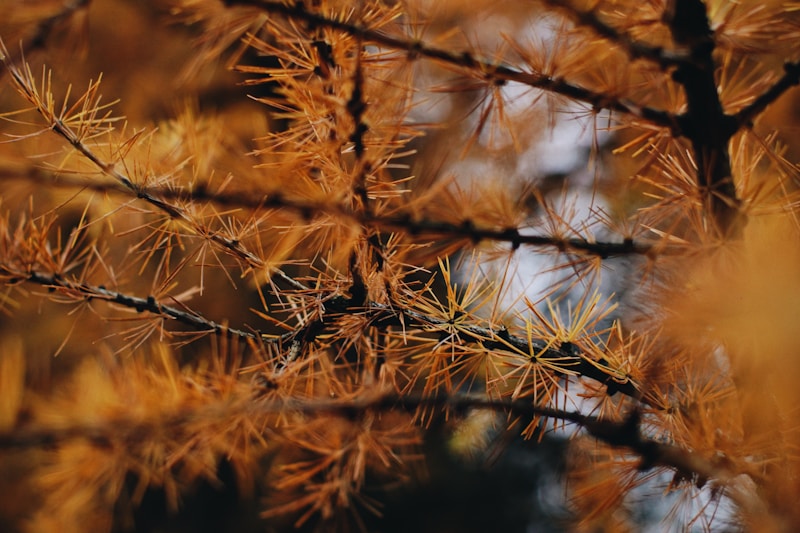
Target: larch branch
[
  {"x": 85, "y": 291},
  {"x": 635, "y": 49},
  {"x": 232, "y": 246},
  {"x": 790, "y": 78},
  {"x": 625, "y": 434},
  {"x": 399, "y": 222},
  {"x": 469, "y": 62}
]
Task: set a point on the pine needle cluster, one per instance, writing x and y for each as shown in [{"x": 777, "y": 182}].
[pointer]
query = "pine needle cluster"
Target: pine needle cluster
[{"x": 304, "y": 236}]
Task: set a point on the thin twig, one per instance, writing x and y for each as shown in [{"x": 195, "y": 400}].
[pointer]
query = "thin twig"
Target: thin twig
[
  {"x": 150, "y": 304},
  {"x": 57, "y": 125}
]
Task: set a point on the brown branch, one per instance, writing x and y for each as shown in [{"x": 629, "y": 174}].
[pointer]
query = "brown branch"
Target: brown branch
[
  {"x": 622, "y": 434},
  {"x": 619, "y": 434},
  {"x": 85, "y": 291},
  {"x": 404, "y": 223},
  {"x": 625, "y": 434},
  {"x": 634, "y": 48},
  {"x": 57, "y": 125},
  {"x": 567, "y": 355},
  {"x": 467, "y": 61},
  {"x": 378, "y": 315}
]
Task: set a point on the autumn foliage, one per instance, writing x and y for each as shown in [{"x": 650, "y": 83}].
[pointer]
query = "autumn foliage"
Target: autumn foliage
[{"x": 279, "y": 247}]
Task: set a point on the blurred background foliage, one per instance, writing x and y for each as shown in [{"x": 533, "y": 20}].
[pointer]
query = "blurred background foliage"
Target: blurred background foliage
[{"x": 164, "y": 71}]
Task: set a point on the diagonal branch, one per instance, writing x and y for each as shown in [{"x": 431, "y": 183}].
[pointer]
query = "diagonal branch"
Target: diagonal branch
[
  {"x": 45, "y": 27},
  {"x": 466, "y": 60},
  {"x": 58, "y": 126},
  {"x": 790, "y": 78},
  {"x": 86, "y": 291},
  {"x": 378, "y": 315},
  {"x": 635, "y": 48},
  {"x": 625, "y": 433}
]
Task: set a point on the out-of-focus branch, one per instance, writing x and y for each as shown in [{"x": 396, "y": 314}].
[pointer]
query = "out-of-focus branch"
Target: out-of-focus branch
[{"x": 625, "y": 434}]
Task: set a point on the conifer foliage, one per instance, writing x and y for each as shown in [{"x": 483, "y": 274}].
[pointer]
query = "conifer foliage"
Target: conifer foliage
[{"x": 295, "y": 237}]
